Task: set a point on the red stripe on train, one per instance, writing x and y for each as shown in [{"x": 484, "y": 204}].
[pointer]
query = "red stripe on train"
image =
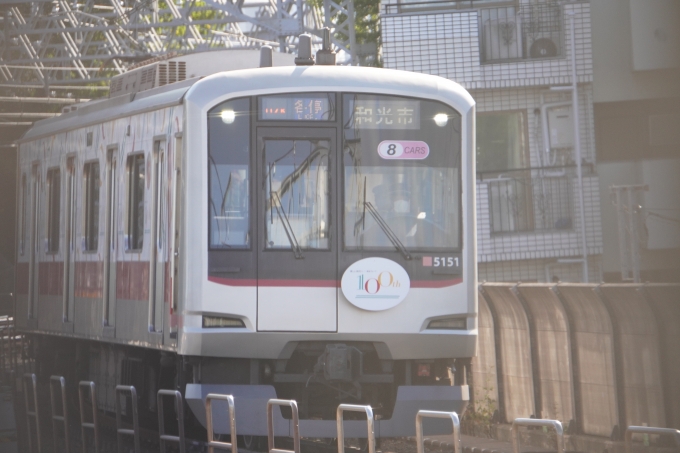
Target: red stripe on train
[{"x": 322, "y": 283}]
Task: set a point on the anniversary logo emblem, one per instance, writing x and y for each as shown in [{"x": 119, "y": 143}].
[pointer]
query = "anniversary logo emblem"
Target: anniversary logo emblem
[{"x": 375, "y": 284}]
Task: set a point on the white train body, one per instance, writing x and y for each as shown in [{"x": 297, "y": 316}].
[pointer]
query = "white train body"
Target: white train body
[{"x": 291, "y": 232}]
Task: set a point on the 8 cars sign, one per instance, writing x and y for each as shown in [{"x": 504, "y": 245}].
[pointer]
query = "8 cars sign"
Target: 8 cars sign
[
  {"x": 403, "y": 150},
  {"x": 375, "y": 284}
]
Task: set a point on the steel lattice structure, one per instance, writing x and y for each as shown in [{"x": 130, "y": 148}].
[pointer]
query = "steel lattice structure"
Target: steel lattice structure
[{"x": 71, "y": 42}]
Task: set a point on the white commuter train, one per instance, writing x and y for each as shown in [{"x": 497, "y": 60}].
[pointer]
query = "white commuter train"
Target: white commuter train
[{"x": 300, "y": 232}]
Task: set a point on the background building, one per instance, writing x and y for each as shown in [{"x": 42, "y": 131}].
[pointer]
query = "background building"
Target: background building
[
  {"x": 636, "y": 94},
  {"x": 514, "y": 56}
]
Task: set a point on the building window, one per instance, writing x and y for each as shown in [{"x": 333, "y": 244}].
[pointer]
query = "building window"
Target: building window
[
  {"x": 501, "y": 143},
  {"x": 92, "y": 183},
  {"x": 53, "y": 209},
  {"x": 501, "y": 161},
  {"x": 532, "y": 31},
  {"x": 135, "y": 213}
]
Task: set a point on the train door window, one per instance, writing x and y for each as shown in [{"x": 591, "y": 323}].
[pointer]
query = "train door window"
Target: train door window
[
  {"x": 156, "y": 272},
  {"x": 53, "y": 209},
  {"x": 297, "y": 193},
  {"x": 92, "y": 183},
  {"x": 134, "y": 235},
  {"x": 229, "y": 170},
  {"x": 110, "y": 237},
  {"x": 177, "y": 221},
  {"x": 33, "y": 269},
  {"x": 69, "y": 236},
  {"x": 22, "y": 217},
  {"x": 158, "y": 194}
]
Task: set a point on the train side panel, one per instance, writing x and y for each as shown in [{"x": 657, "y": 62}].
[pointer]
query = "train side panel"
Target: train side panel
[{"x": 95, "y": 230}]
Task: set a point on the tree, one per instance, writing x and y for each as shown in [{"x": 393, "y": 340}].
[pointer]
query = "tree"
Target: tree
[{"x": 366, "y": 28}]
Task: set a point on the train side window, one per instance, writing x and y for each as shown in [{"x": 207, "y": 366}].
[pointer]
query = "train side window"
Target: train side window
[
  {"x": 134, "y": 235},
  {"x": 92, "y": 183},
  {"x": 53, "y": 209}
]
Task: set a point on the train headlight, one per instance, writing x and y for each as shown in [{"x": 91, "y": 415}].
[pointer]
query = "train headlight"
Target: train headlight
[
  {"x": 441, "y": 119},
  {"x": 228, "y": 116},
  {"x": 219, "y": 321},
  {"x": 448, "y": 324}
]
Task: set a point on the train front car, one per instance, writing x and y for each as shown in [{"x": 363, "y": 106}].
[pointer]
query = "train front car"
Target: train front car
[{"x": 329, "y": 245}]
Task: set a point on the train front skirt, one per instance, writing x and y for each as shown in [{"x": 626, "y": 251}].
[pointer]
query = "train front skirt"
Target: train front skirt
[{"x": 250, "y": 403}]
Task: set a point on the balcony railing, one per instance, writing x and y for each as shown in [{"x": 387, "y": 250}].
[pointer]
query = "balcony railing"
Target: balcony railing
[
  {"x": 408, "y": 6},
  {"x": 531, "y": 31},
  {"x": 530, "y": 200}
]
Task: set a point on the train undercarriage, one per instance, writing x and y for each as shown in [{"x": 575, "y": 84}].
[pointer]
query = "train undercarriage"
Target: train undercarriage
[{"x": 317, "y": 375}]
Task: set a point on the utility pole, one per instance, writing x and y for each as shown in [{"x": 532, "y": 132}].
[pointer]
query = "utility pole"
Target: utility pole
[{"x": 625, "y": 199}]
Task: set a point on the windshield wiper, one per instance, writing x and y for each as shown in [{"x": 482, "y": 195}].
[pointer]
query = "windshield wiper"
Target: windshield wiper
[
  {"x": 297, "y": 250},
  {"x": 387, "y": 230}
]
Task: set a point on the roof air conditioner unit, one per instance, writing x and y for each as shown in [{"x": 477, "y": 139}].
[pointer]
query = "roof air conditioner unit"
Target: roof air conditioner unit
[{"x": 502, "y": 39}]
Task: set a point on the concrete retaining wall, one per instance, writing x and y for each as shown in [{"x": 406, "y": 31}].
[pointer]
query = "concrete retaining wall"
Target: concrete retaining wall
[
  {"x": 665, "y": 303},
  {"x": 603, "y": 356},
  {"x": 484, "y": 365},
  {"x": 637, "y": 356},
  {"x": 513, "y": 352},
  {"x": 552, "y": 351}
]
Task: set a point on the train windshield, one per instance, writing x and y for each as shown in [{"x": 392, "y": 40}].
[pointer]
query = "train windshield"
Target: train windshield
[
  {"x": 401, "y": 174},
  {"x": 399, "y": 165}
]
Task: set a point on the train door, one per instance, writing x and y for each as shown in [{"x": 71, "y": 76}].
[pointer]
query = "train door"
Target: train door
[
  {"x": 33, "y": 280},
  {"x": 69, "y": 243},
  {"x": 110, "y": 262},
  {"x": 156, "y": 269},
  {"x": 297, "y": 254},
  {"x": 176, "y": 229}
]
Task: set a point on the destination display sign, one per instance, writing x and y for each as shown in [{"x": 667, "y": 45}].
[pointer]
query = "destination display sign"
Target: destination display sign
[
  {"x": 383, "y": 114},
  {"x": 295, "y": 108}
]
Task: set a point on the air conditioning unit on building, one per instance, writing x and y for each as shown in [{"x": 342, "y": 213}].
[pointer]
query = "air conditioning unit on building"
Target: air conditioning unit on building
[
  {"x": 543, "y": 45},
  {"x": 502, "y": 39}
]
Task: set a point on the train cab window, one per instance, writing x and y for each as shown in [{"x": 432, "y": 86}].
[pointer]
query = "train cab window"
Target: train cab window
[
  {"x": 229, "y": 174},
  {"x": 134, "y": 235},
  {"x": 401, "y": 173},
  {"x": 92, "y": 183},
  {"x": 53, "y": 209}
]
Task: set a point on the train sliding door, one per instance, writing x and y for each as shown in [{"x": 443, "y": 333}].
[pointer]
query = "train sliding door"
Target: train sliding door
[
  {"x": 156, "y": 266},
  {"x": 297, "y": 254}
]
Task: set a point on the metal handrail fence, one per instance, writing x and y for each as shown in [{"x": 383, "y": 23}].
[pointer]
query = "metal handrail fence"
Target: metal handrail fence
[
  {"x": 555, "y": 424},
  {"x": 120, "y": 431},
  {"x": 649, "y": 430},
  {"x": 370, "y": 423},
  {"x": 83, "y": 387},
  {"x": 212, "y": 443},
  {"x": 420, "y": 443},
  {"x": 58, "y": 417},
  {"x": 270, "y": 425},
  {"x": 179, "y": 408}
]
